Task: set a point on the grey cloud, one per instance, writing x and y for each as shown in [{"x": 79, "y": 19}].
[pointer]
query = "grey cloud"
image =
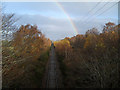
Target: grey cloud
[
  {"x": 51, "y": 27},
  {"x": 59, "y": 27}
]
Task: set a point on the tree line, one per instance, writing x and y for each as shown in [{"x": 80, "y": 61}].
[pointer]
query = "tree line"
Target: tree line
[
  {"x": 25, "y": 51},
  {"x": 91, "y": 60}
]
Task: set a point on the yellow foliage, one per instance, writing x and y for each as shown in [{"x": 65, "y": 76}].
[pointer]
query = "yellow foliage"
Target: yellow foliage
[
  {"x": 30, "y": 41},
  {"x": 62, "y": 46}
]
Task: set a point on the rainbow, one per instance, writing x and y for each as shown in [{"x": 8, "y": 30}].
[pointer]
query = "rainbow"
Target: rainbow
[{"x": 68, "y": 17}]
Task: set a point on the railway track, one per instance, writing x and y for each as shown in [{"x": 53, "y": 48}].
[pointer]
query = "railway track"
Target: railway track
[{"x": 52, "y": 78}]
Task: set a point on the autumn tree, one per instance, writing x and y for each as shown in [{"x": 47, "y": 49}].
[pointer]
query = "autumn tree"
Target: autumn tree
[
  {"x": 28, "y": 40},
  {"x": 63, "y": 46},
  {"x": 92, "y": 31},
  {"x": 94, "y": 58},
  {"x": 79, "y": 42},
  {"x": 108, "y": 27}
]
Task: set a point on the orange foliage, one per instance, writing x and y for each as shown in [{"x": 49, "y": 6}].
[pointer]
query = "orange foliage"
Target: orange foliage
[
  {"x": 28, "y": 40},
  {"x": 93, "y": 58},
  {"x": 63, "y": 47}
]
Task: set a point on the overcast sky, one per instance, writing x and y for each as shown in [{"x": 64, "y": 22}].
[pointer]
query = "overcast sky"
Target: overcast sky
[{"x": 54, "y": 21}]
